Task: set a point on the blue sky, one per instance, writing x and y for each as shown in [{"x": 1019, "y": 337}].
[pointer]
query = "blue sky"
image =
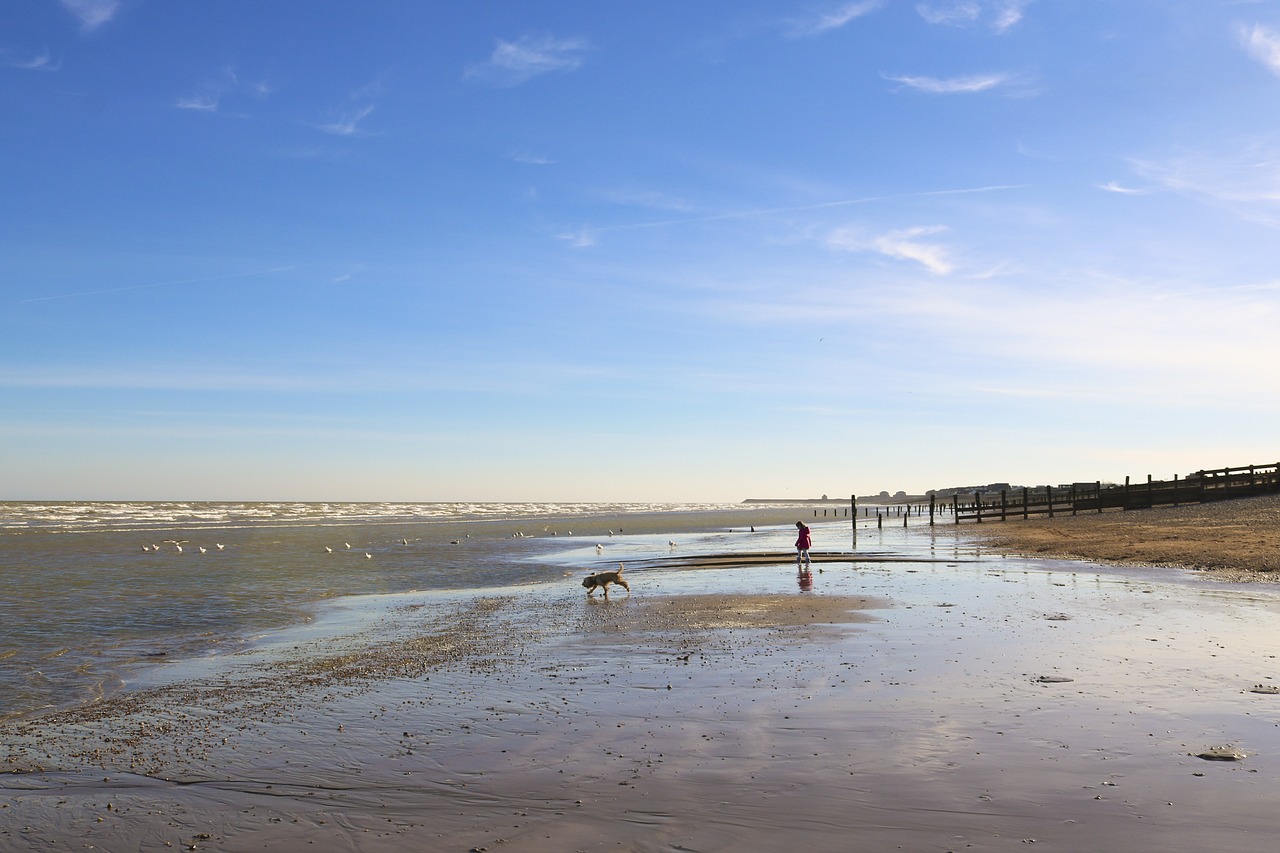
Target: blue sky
[{"x": 659, "y": 251}]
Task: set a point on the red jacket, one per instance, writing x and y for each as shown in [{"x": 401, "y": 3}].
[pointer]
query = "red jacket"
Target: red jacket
[{"x": 803, "y": 543}]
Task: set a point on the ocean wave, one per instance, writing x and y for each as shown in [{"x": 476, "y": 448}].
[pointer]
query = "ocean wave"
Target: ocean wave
[{"x": 141, "y": 515}]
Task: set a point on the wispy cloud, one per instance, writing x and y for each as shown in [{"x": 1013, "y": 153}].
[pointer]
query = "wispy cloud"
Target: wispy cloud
[
  {"x": 1008, "y": 14},
  {"x": 516, "y": 62},
  {"x": 904, "y": 244},
  {"x": 652, "y": 199},
  {"x": 587, "y": 235},
  {"x": 204, "y": 102},
  {"x": 1246, "y": 181},
  {"x": 530, "y": 159},
  {"x": 833, "y": 19},
  {"x": 346, "y": 121},
  {"x": 41, "y": 62},
  {"x": 1263, "y": 44},
  {"x": 227, "y": 82},
  {"x": 92, "y": 13},
  {"x": 580, "y": 239},
  {"x": 1000, "y": 15},
  {"x": 1113, "y": 187},
  {"x": 954, "y": 85}
]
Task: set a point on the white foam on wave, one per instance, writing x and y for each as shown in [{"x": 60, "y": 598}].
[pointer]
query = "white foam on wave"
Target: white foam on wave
[{"x": 139, "y": 515}]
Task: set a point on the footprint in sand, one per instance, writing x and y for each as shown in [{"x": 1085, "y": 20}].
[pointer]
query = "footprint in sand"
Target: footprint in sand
[
  {"x": 1052, "y": 679},
  {"x": 1265, "y": 688}
]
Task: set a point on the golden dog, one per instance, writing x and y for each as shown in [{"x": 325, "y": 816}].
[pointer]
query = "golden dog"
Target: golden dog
[{"x": 603, "y": 579}]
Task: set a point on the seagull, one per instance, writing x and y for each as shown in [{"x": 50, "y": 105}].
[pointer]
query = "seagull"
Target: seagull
[
  {"x": 348, "y": 544},
  {"x": 146, "y": 548},
  {"x": 671, "y": 542},
  {"x": 404, "y": 541},
  {"x": 599, "y": 549},
  {"x": 203, "y": 550},
  {"x": 455, "y": 541},
  {"x": 368, "y": 556},
  {"x": 328, "y": 550},
  {"x": 219, "y": 546}
]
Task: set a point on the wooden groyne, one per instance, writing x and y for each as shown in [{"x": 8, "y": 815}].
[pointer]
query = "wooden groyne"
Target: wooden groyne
[{"x": 1201, "y": 487}]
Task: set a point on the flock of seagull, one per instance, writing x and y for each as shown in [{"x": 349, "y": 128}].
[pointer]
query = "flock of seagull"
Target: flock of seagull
[{"x": 178, "y": 543}]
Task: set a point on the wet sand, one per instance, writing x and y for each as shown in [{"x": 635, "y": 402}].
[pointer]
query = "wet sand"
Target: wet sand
[
  {"x": 941, "y": 705},
  {"x": 1237, "y": 540}
]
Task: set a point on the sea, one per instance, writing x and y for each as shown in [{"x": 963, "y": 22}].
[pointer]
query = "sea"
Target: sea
[{"x": 94, "y": 593}]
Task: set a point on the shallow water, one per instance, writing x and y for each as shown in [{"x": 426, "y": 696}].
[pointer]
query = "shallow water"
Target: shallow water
[{"x": 92, "y": 590}]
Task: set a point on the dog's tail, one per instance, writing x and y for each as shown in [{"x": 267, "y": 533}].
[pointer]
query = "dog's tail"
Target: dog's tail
[{"x": 621, "y": 566}]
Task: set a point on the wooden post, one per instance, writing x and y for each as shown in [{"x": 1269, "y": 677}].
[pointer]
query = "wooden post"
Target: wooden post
[
  {"x": 1004, "y": 503},
  {"x": 1126, "y": 492},
  {"x": 977, "y": 505},
  {"x": 1150, "y": 497},
  {"x": 879, "y": 521},
  {"x": 932, "y": 500},
  {"x": 1025, "y": 511},
  {"x": 853, "y": 519},
  {"x": 1098, "y": 488},
  {"x": 955, "y": 507},
  {"x": 1175, "y": 489},
  {"x": 1073, "y": 498}
]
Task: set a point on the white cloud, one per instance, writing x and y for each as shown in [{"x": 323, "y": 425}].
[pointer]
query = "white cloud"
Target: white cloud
[
  {"x": 954, "y": 85},
  {"x": 346, "y": 122},
  {"x": 903, "y": 244},
  {"x": 1008, "y": 15},
  {"x": 953, "y": 13},
  {"x": 1263, "y": 44},
  {"x": 92, "y": 13},
  {"x": 227, "y": 83},
  {"x": 203, "y": 102},
  {"x": 41, "y": 62},
  {"x": 652, "y": 199},
  {"x": 531, "y": 159},
  {"x": 1001, "y": 15},
  {"x": 1113, "y": 187},
  {"x": 832, "y": 20},
  {"x": 580, "y": 239},
  {"x": 516, "y": 62},
  {"x": 1246, "y": 181}
]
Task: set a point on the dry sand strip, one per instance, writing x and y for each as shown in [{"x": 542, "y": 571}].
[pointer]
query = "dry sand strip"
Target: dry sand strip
[
  {"x": 767, "y": 558},
  {"x": 1236, "y": 540}
]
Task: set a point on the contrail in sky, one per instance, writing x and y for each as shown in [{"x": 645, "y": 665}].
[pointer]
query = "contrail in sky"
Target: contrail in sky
[{"x": 156, "y": 284}]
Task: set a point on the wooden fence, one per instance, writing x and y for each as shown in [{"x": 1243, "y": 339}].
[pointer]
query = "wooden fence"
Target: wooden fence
[{"x": 1200, "y": 487}]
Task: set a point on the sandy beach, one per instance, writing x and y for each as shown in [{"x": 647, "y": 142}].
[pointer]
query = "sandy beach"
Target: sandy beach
[
  {"x": 1237, "y": 540},
  {"x": 941, "y": 700}
]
